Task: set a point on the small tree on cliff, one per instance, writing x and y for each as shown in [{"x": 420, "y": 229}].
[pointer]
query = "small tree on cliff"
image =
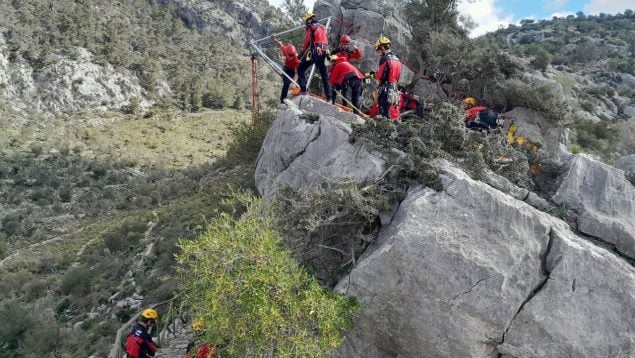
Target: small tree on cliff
[
  {"x": 295, "y": 9},
  {"x": 252, "y": 295}
]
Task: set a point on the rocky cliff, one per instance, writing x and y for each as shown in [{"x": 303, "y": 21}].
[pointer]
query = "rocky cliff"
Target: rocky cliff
[{"x": 470, "y": 270}]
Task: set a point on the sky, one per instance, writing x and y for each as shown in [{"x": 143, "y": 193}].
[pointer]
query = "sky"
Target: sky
[{"x": 489, "y": 15}]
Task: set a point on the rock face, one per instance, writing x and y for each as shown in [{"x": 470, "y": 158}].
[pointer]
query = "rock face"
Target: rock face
[
  {"x": 236, "y": 20},
  {"x": 532, "y": 125},
  {"x": 69, "y": 84},
  {"x": 444, "y": 280},
  {"x": 627, "y": 164},
  {"x": 364, "y": 22},
  {"x": 305, "y": 155},
  {"x": 603, "y": 199},
  {"x": 475, "y": 270}
]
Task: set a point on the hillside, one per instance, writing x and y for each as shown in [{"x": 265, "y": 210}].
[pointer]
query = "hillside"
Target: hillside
[{"x": 66, "y": 56}]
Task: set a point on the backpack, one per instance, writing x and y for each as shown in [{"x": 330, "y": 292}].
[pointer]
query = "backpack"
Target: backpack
[
  {"x": 132, "y": 347},
  {"x": 488, "y": 118}
]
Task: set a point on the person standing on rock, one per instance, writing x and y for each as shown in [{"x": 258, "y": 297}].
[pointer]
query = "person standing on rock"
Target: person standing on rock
[
  {"x": 346, "y": 49},
  {"x": 388, "y": 75},
  {"x": 344, "y": 76},
  {"x": 139, "y": 343},
  {"x": 291, "y": 62},
  {"x": 314, "y": 51}
]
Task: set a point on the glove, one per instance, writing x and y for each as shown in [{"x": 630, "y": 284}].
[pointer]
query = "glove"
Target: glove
[{"x": 369, "y": 74}]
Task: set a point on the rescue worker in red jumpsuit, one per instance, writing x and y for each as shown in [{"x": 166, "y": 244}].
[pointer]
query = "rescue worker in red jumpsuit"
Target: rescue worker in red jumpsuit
[
  {"x": 139, "y": 343},
  {"x": 291, "y": 62},
  {"x": 480, "y": 117},
  {"x": 344, "y": 76},
  {"x": 388, "y": 76},
  {"x": 346, "y": 49},
  {"x": 314, "y": 51}
]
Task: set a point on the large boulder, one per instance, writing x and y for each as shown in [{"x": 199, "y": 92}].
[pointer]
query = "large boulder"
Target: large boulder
[
  {"x": 585, "y": 308},
  {"x": 603, "y": 200},
  {"x": 446, "y": 279},
  {"x": 305, "y": 150}
]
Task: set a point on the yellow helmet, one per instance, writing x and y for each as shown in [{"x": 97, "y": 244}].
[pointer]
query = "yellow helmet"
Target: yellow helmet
[
  {"x": 469, "y": 101},
  {"x": 308, "y": 16},
  {"x": 382, "y": 40},
  {"x": 149, "y": 314},
  {"x": 198, "y": 324}
]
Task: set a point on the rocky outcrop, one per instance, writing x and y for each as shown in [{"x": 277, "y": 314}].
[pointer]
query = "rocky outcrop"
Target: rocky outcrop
[
  {"x": 444, "y": 280},
  {"x": 474, "y": 270},
  {"x": 70, "y": 83},
  {"x": 533, "y": 126},
  {"x": 306, "y": 151},
  {"x": 364, "y": 22},
  {"x": 603, "y": 200},
  {"x": 236, "y": 20},
  {"x": 627, "y": 164}
]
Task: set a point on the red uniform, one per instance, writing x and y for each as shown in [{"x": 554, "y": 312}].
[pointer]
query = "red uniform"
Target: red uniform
[
  {"x": 319, "y": 36},
  {"x": 470, "y": 114},
  {"x": 139, "y": 343},
  {"x": 291, "y": 59},
  {"x": 352, "y": 54},
  {"x": 340, "y": 70},
  {"x": 389, "y": 69}
]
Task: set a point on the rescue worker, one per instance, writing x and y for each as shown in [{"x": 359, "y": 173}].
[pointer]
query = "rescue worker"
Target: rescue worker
[
  {"x": 314, "y": 51},
  {"x": 291, "y": 62},
  {"x": 198, "y": 348},
  {"x": 344, "y": 76},
  {"x": 479, "y": 117},
  {"x": 345, "y": 49},
  {"x": 139, "y": 343},
  {"x": 388, "y": 76}
]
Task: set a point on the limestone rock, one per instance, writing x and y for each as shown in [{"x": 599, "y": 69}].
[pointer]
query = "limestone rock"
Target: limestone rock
[
  {"x": 306, "y": 155},
  {"x": 444, "y": 280},
  {"x": 532, "y": 125},
  {"x": 585, "y": 308},
  {"x": 603, "y": 199},
  {"x": 627, "y": 164}
]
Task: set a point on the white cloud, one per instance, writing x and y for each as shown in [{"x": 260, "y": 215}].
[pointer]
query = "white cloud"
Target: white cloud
[
  {"x": 486, "y": 15},
  {"x": 595, "y": 7}
]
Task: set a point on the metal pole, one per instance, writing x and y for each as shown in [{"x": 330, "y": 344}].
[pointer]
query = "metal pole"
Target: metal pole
[
  {"x": 328, "y": 19},
  {"x": 254, "y": 87}
]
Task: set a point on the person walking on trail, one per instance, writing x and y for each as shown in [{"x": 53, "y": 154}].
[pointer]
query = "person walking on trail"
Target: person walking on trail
[
  {"x": 344, "y": 76},
  {"x": 388, "y": 75},
  {"x": 346, "y": 49},
  {"x": 314, "y": 51},
  {"x": 198, "y": 348},
  {"x": 139, "y": 343},
  {"x": 479, "y": 118},
  {"x": 291, "y": 62}
]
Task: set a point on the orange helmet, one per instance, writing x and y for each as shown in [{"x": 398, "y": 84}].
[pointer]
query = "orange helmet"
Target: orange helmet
[{"x": 345, "y": 40}]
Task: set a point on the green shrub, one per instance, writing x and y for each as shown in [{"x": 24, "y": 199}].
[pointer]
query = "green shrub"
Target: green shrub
[
  {"x": 4, "y": 247},
  {"x": 576, "y": 149},
  {"x": 247, "y": 139},
  {"x": 76, "y": 281},
  {"x": 252, "y": 296},
  {"x": 595, "y": 136}
]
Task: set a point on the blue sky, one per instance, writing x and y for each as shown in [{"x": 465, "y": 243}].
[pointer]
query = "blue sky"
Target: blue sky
[{"x": 490, "y": 14}]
